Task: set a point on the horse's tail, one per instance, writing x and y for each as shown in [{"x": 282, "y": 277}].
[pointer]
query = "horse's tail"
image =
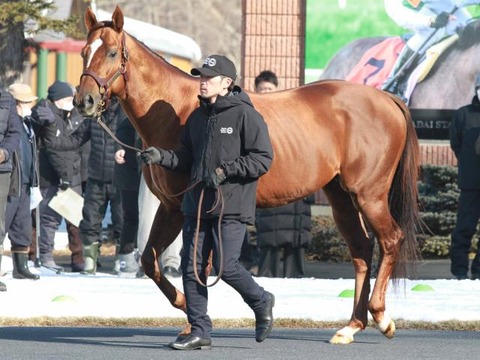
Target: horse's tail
[{"x": 403, "y": 196}]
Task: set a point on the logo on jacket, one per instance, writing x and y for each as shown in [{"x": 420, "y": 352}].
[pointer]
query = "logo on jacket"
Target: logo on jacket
[{"x": 226, "y": 130}]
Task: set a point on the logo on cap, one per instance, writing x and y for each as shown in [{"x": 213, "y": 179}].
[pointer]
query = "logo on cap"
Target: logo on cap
[{"x": 210, "y": 62}]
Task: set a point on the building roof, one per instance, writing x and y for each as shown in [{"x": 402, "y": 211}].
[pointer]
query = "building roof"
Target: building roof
[
  {"x": 155, "y": 37},
  {"x": 158, "y": 38}
]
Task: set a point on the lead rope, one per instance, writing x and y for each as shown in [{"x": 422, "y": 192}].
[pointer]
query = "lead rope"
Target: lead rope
[
  {"x": 220, "y": 240},
  {"x": 219, "y": 199}
]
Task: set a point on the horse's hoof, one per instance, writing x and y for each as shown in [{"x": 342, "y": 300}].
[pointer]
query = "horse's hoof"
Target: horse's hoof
[
  {"x": 389, "y": 331},
  {"x": 387, "y": 326},
  {"x": 339, "y": 339},
  {"x": 343, "y": 336}
]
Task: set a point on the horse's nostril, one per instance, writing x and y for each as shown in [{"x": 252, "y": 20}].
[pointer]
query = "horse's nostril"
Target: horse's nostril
[{"x": 88, "y": 101}]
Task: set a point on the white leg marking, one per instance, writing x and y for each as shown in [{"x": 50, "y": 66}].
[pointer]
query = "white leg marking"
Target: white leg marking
[{"x": 384, "y": 324}]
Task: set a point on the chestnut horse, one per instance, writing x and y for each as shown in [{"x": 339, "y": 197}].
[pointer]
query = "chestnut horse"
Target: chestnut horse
[{"x": 355, "y": 142}]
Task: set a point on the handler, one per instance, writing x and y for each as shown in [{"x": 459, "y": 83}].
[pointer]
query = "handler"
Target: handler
[{"x": 225, "y": 147}]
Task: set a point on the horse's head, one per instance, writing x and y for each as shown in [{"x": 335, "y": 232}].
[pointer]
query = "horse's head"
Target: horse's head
[{"x": 105, "y": 58}]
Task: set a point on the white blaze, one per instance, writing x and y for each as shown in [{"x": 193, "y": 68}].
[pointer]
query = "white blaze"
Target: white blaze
[{"x": 93, "y": 48}]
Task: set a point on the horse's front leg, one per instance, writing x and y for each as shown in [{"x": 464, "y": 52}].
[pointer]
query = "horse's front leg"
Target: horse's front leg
[{"x": 165, "y": 228}]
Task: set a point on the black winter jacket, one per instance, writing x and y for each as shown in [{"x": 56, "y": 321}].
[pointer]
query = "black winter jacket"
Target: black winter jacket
[
  {"x": 229, "y": 133},
  {"x": 288, "y": 225},
  {"x": 102, "y": 145},
  {"x": 464, "y": 132},
  {"x": 10, "y": 128},
  {"x": 127, "y": 175},
  {"x": 56, "y": 165}
]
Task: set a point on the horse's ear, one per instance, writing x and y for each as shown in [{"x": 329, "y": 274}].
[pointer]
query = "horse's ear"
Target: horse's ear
[
  {"x": 117, "y": 19},
  {"x": 90, "y": 18}
]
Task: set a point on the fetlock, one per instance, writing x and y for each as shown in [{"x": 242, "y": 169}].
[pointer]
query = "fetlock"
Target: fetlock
[
  {"x": 90, "y": 255},
  {"x": 20, "y": 266}
]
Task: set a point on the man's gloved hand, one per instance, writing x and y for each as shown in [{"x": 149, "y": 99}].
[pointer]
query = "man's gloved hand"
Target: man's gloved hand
[
  {"x": 215, "y": 178},
  {"x": 43, "y": 115},
  {"x": 64, "y": 184},
  {"x": 152, "y": 155},
  {"x": 440, "y": 21}
]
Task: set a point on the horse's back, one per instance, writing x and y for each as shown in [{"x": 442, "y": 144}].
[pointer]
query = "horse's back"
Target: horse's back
[{"x": 326, "y": 129}]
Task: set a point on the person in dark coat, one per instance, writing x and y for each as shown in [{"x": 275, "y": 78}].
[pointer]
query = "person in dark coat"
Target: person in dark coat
[
  {"x": 10, "y": 130},
  {"x": 99, "y": 190},
  {"x": 226, "y": 145},
  {"x": 127, "y": 179},
  {"x": 59, "y": 170},
  {"x": 284, "y": 232},
  {"x": 465, "y": 143},
  {"x": 18, "y": 221}
]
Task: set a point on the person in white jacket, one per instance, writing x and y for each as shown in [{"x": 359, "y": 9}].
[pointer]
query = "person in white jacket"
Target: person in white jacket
[{"x": 430, "y": 21}]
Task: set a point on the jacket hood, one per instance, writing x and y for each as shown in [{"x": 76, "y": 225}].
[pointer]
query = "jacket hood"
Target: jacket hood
[{"x": 234, "y": 98}]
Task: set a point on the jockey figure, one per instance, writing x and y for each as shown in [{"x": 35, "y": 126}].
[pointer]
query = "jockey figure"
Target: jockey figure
[{"x": 431, "y": 21}]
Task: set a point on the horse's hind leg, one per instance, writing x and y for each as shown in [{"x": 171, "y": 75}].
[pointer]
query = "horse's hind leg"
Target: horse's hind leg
[
  {"x": 351, "y": 227},
  {"x": 165, "y": 228},
  {"x": 389, "y": 236}
]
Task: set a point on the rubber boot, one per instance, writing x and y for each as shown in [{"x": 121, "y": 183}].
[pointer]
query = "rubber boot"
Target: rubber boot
[
  {"x": 397, "y": 86},
  {"x": 3, "y": 287},
  {"x": 128, "y": 265},
  {"x": 20, "y": 266},
  {"x": 90, "y": 255}
]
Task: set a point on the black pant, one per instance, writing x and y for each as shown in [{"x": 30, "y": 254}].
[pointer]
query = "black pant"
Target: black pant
[
  {"x": 98, "y": 195},
  {"x": 128, "y": 237},
  {"x": 467, "y": 220},
  {"x": 270, "y": 264},
  {"x": 234, "y": 274},
  {"x": 18, "y": 220}
]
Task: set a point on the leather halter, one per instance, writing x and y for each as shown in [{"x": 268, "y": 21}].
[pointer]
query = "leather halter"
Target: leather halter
[{"x": 103, "y": 83}]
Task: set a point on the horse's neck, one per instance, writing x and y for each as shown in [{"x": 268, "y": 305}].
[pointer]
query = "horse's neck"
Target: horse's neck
[{"x": 157, "y": 92}]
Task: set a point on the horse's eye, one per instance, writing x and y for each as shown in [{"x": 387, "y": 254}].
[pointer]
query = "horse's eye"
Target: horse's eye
[{"x": 112, "y": 53}]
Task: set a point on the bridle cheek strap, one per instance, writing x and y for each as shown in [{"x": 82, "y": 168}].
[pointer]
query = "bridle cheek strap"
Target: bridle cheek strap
[{"x": 104, "y": 84}]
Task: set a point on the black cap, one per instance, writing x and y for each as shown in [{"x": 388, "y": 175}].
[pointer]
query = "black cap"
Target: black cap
[
  {"x": 477, "y": 82},
  {"x": 215, "y": 65},
  {"x": 59, "y": 90}
]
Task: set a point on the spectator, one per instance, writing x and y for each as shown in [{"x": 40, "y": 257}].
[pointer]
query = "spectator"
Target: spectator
[
  {"x": 232, "y": 162},
  {"x": 465, "y": 143},
  {"x": 18, "y": 221},
  {"x": 430, "y": 21},
  {"x": 265, "y": 82},
  {"x": 10, "y": 130},
  {"x": 99, "y": 190},
  {"x": 127, "y": 180},
  {"x": 148, "y": 204},
  {"x": 284, "y": 232},
  {"x": 59, "y": 170}
]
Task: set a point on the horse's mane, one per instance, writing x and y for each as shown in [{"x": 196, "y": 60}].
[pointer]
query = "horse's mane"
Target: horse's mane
[{"x": 109, "y": 24}]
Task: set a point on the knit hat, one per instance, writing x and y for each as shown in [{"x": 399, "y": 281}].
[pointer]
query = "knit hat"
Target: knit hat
[
  {"x": 215, "y": 65},
  {"x": 59, "y": 90},
  {"x": 22, "y": 92}
]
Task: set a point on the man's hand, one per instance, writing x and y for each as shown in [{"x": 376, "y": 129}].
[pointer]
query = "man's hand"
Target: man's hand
[
  {"x": 215, "y": 178},
  {"x": 120, "y": 156},
  {"x": 2, "y": 156},
  {"x": 440, "y": 21},
  {"x": 64, "y": 184},
  {"x": 43, "y": 115},
  {"x": 152, "y": 155}
]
